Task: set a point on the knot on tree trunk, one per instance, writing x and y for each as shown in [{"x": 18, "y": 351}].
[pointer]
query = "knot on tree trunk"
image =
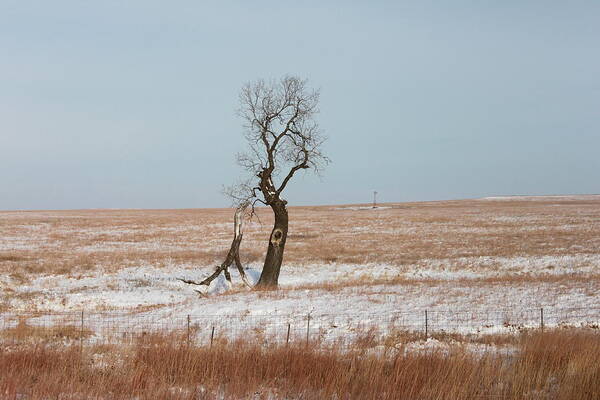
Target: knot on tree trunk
[{"x": 276, "y": 237}]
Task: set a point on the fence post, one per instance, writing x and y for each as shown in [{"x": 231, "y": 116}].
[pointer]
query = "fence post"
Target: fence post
[
  {"x": 188, "y": 330},
  {"x": 426, "y": 325},
  {"x": 542, "y": 318},
  {"x": 307, "y": 328},
  {"x": 81, "y": 336},
  {"x": 212, "y": 336},
  {"x": 287, "y": 339}
]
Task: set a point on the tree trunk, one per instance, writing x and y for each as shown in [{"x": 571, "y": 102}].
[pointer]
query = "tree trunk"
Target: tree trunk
[
  {"x": 233, "y": 256},
  {"x": 270, "y": 273}
]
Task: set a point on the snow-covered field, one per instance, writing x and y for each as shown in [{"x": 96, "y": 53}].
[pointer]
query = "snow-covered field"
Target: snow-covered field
[{"x": 476, "y": 266}]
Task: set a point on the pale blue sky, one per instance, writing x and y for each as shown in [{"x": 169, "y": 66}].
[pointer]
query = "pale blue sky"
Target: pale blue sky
[{"x": 131, "y": 104}]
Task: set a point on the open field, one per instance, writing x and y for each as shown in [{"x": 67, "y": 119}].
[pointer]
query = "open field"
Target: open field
[
  {"x": 86, "y": 298},
  {"x": 480, "y": 255},
  {"x": 496, "y": 253}
]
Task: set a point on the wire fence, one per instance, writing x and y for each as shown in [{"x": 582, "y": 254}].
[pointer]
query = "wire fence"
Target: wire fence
[{"x": 315, "y": 328}]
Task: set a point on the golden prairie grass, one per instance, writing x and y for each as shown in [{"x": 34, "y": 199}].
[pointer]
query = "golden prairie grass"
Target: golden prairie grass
[
  {"x": 25, "y": 332},
  {"x": 68, "y": 242},
  {"x": 468, "y": 242},
  {"x": 558, "y": 364}
]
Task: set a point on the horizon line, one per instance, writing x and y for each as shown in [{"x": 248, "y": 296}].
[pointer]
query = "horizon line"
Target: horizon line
[{"x": 489, "y": 197}]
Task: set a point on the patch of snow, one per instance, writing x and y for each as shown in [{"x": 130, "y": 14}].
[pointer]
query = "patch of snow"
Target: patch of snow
[{"x": 544, "y": 198}]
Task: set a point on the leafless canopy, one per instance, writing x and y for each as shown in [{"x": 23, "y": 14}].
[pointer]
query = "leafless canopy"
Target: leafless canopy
[{"x": 282, "y": 134}]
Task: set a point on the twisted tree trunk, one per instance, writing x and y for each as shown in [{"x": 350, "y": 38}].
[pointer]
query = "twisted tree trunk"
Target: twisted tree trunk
[
  {"x": 270, "y": 273},
  {"x": 233, "y": 256}
]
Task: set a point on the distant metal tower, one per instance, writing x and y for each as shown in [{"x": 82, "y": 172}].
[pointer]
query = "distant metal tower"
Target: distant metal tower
[{"x": 374, "y": 199}]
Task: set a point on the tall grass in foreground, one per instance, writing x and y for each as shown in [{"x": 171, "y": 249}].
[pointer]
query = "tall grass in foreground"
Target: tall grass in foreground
[{"x": 559, "y": 364}]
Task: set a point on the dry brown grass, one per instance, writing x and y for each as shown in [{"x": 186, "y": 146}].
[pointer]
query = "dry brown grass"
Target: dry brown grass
[
  {"x": 68, "y": 242},
  {"x": 469, "y": 242},
  {"x": 58, "y": 333},
  {"x": 559, "y": 364}
]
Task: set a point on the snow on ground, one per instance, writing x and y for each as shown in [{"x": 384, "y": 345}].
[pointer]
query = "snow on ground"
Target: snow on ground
[
  {"x": 149, "y": 285},
  {"x": 544, "y": 198},
  {"x": 455, "y": 303},
  {"x": 488, "y": 267},
  {"x": 475, "y": 266}
]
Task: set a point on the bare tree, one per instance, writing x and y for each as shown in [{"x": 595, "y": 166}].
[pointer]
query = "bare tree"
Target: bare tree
[{"x": 283, "y": 138}]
